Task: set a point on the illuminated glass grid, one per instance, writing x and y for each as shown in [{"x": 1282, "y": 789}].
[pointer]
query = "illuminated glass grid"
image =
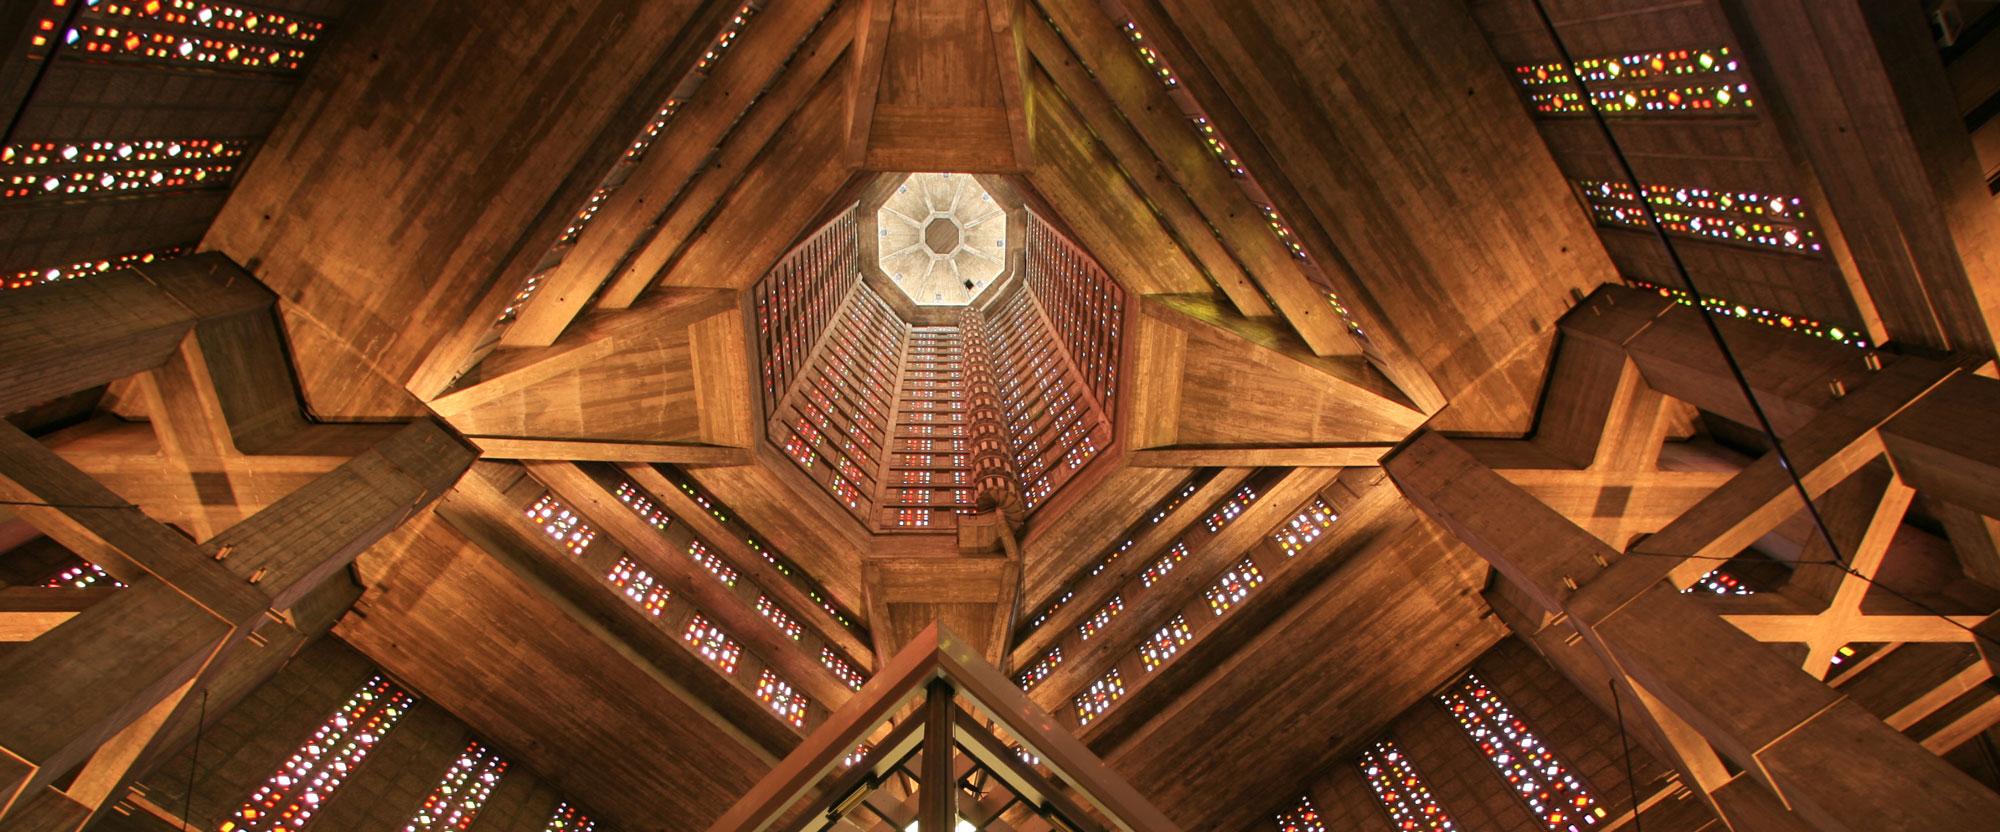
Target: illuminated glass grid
[
  {"x": 1040, "y": 670},
  {"x": 787, "y": 703},
  {"x": 639, "y": 586},
  {"x": 779, "y": 618},
  {"x": 1401, "y": 791},
  {"x": 1559, "y": 799},
  {"x": 1233, "y": 587},
  {"x": 1097, "y": 699},
  {"x": 1164, "y": 643},
  {"x": 1101, "y": 617},
  {"x": 307, "y": 779},
  {"x": 1304, "y": 527},
  {"x": 712, "y": 643},
  {"x": 457, "y": 799},
  {"x": 563, "y": 526},
  {"x": 841, "y": 669}
]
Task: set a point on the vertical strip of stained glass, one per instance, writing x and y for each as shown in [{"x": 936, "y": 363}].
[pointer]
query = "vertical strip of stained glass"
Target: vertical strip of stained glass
[
  {"x": 568, "y": 818},
  {"x": 1301, "y": 818},
  {"x": 458, "y": 798},
  {"x": 308, "y": 779},
  {"x": 1559, "y": 799},
  {"x": 1402, "y": 791}
]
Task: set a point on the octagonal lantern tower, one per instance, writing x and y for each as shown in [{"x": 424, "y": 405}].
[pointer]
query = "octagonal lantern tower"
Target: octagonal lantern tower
[{"x": 942, "y": 238}]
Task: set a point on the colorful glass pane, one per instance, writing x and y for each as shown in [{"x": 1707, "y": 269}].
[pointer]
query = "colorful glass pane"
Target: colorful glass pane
[
  {"x": 568, "y": 818},
  {"x": 1230, "y": 509},
  {"x": 1401, "y": 791},
  {"x": 639, "y": 586},
  {"x": 1302, "y": 818},
  {"x": 643, "y": 506},
  {"x": 85, "y": 268},
  {"x": 457, "y": 799},
  {"x": 83, "y": 575},
  {"x": 1769, "y": 221},
  {"x": 1097, "y": 698},
  {"x": 787, "y": 703},
  {"x": 1103, "y": 616},
  {"x": 1850, "y": 336},
  {"x": 779, "y": 618},
  {"x": 1233, "y": 587},
  {"x": 310, "y": 776},
  {"x": 712, "y": 643},
  {"x": 1559, "y": 799},
  {"x": 1164, "y": 643},
  {"x": 1304, "y": 527},
  {"x": 1040, "y": 670},
  {"x": 712, "y": 562},
  {"x": 841, "y": 669},
  {"x": 563, "y": 526}
]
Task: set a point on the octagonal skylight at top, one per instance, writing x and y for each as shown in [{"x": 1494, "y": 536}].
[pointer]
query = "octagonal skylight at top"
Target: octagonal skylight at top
[{"x": 942, "y": 238}]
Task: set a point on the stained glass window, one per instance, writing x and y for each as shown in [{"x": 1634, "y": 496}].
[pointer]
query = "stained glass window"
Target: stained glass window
[
  {"x": 85, "y": 167},
  {"x": 1229, "y": 509},
  {"x": 712, "y": 643},
  {"x": 1402, "y": 791},
  {"x": 83, "y": 575},
  {"x": 712, "y": 562},
  {"x": 1233, "y": 587},
  {"x": 1721, "y": 583},
  {"x": 1850, "y": 336},
  {"x": 1110, "y": 557},
  {"x": 125, "y": 178},
  {"x": 1556, "y": 796},
  {"x": 841, "y": 669},
  {"x": 1043, "y": 617},
  {"x": 639, "y": 586},
  {"x": 85, "y": 268},
  {"x": 1304, "y": 527},
  {"x": 1164, "y": 643},
  {"x": 1039, "y": 670},
  {"x": 1161, "y": 511},
  {"x": 1303, "y": 818},
  {"x": 1769, "y": 221},
  {"x": 778, "y": 617},
  {"x": 309, "y": 778},
  {"x": 463, "y": 791},
  {"x": 1675, "y": 81},
  {"x": 1159, "y": 568},
  {"x": 859, "y": 753},
  {"x": 1103, "y": 616},
  {"x": 643, "y": 506},
  {"x": 1097, "y": 699},
  {"x": 787, "y": 703},
  {"x": 563, "y": 526},
  {"x": 192, "y": 32},
  {"x": 568, "y": 818}
]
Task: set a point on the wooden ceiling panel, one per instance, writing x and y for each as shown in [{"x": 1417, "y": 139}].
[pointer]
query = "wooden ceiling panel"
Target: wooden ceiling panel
[
  {"x": 1060, "y": 544},
  {"x": 1375, "y": 138},
  {"x": 975, "y": 596},
  {"x": 491, "y": 645},
  {"x": 1398, "y": 615},
  {"x": 624, "y": 376},
  {"x": 1224, "y": 380},
  {"x": 405, "y": 183},
  {"x": 937, "y": 87}
]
